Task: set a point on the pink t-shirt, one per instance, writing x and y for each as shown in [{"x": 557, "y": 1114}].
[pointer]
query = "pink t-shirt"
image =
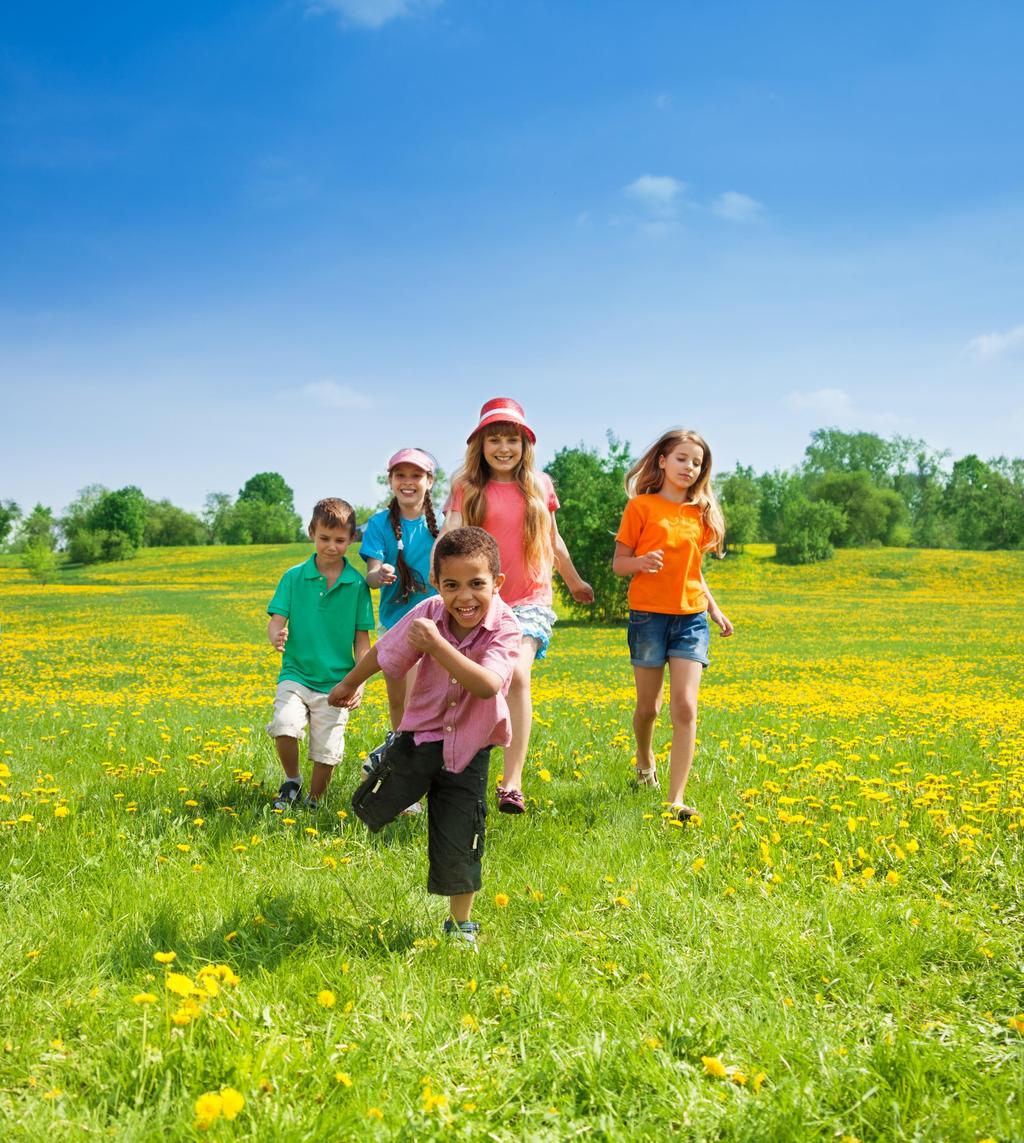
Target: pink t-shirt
[
  {"x": 440, "y": 709},
  {"x": 504, "y": 519}
]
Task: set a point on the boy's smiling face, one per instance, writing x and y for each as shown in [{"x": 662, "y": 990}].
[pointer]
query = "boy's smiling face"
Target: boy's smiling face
[{"x": 467, "y": 587}]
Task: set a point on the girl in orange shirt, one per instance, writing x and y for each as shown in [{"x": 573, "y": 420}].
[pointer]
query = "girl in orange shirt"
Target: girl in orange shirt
[{"x": 671, "y": 520}]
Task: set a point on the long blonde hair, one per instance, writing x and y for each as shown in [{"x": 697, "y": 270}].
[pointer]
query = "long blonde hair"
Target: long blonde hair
[
  {"x": 473, "y": 475},
  {"x": 647, "y": 476}
]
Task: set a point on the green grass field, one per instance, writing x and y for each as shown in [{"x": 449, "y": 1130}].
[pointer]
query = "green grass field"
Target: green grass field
[{"x": 834, "y": 952}]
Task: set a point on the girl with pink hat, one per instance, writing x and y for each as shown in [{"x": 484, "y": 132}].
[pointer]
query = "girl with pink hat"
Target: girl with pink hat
[
  {"x": 499, "y": 488},
  {"x": 396, "y": 546}
]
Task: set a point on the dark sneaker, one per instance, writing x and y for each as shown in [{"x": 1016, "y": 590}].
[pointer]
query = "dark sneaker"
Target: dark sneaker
[
  {"x": 462, "y": 932},
  {"x": 287, "y": 794},
  {"x": 510, "y": 801},
  {"x": 376, "y": 755},
  {"x": 309, "y": 803}
]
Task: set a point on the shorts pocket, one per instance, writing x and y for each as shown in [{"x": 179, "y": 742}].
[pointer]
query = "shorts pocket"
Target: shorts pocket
[
  {"x": 639, "y": 618},
  {"x": 479, "y": 829}
]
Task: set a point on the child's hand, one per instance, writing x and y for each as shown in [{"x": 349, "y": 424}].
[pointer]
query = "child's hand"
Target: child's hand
[
  {"x": 582, "y": 592},
  {"x": 718, "y": 616},
  {"x": 386, "y": 574},
  {"x": 652, "y": 562},
  {"x": 423, "y": 635},
  {"x": 343, "y": 694},
  {"x": 279, "y": 639}
]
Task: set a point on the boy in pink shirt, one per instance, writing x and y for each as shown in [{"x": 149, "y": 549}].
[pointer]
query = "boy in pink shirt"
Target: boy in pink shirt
[{"x": 466, "y": 640}]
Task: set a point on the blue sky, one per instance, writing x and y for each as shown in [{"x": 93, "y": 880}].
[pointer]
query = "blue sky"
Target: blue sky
[{"x": 298, "y": 236}]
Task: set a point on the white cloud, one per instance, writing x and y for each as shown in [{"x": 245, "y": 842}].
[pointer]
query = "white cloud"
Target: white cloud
[
  {"x": 990, "y": 345},
  {"x": 832, "y": 403},
  {"x": 372, "y": 13},
  {"x": 334, "y": 396},
  {"x": 736, "y": 207},
  {"x": 657, "y": 194}
]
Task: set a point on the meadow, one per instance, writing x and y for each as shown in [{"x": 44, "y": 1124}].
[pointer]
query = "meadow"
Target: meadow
[{"x": 833, "y": 951}]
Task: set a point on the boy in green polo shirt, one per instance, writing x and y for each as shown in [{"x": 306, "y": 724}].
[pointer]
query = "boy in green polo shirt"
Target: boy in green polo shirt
[{"x": 320, "y": 618}]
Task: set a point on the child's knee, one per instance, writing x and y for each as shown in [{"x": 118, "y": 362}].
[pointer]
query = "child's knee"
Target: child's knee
[
  {"x": 648, "y": 709},
  {"x": 684, "y": 711}
]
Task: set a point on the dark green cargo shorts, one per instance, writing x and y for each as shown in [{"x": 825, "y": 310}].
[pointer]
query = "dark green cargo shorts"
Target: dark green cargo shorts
[{"x": 456, "y": 808}]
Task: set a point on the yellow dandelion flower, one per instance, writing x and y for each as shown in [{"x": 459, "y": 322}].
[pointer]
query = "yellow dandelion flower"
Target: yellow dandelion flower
[
  {"x": 343, "y": 1078},
  {"x": 698, "y": 865},
  {"x": 374, "y": 1113},
  {"x": 470, "y": 1021},
  {"x": 144, "y": 998},
  {"x": 326, "y": 998},
  {"x": 1016, "y": 1023},
  {"x": 544, "y": 775},
  {"x": 179, "y": 984},
  {"x": 61, "y": 812},
  {"x": 892, "y": 877},
  {"x": 208, "y": 1109},
  {"x": 165, "y": 957},
  {"x": 755, "y": 1083},
  {"x": 622, "y": 902},
  {"x": 714, "y": 1066},
  {"x": 501, "y": 900},
  {"x": 231, "y": 1102}
]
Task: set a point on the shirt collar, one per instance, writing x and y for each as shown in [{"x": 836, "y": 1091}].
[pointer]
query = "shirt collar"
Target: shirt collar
[{"x": 311, "y": 571}]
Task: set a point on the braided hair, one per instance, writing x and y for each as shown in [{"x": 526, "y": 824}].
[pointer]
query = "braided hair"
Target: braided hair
[{"x": 408, "y": 582}]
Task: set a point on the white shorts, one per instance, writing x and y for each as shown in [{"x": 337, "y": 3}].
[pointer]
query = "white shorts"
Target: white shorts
[{"x": 295, "y": 706}]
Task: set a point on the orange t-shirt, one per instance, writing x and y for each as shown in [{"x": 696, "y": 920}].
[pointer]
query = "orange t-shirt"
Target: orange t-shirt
[{"x": 651, "y": 522}]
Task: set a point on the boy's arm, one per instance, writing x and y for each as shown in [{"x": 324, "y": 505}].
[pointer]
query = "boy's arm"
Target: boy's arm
[
  {"x": 277, "y": 631},
  {"x": 349, "y": 691},
  {"x": 715, "y": 613},
  {"x": 578, "y": 587},
  {"x": 479, "y": 681}
]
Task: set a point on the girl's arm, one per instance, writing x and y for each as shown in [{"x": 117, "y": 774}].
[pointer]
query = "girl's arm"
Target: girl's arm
[
  {"x": 715, "y": 613},
  {"x": 578, "y": 587},
  {"x": 378, "y": 573},
  {"x": 625, "y": 563}
]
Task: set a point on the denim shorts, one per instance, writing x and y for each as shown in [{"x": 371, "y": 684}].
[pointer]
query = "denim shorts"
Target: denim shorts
[{"x": 654, "y": 638}]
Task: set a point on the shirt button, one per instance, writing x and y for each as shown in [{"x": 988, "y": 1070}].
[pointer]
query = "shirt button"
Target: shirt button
[
  {"x": 452, "y": 703},
  {"x": 448, "y": 729},
  {"x": 455, "y": 681}
]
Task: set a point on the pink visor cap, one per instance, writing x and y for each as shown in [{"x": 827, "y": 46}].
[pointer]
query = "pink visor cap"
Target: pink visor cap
[
  {"x": 414, "y": 456},
  {"x": 503, "y": 410}
]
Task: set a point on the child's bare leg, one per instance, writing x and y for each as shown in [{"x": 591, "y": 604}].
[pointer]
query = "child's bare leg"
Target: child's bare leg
[
  {"x": 321, "y": 779},
  {"x": 397, "y": 690},
  {"x": 461, "y": 905},
  {"x": 684, "y": 683},
  {"x": 288, "y": 752},
  {"x": 649, "y": 685},
  {"x": 520, "y": 709}
]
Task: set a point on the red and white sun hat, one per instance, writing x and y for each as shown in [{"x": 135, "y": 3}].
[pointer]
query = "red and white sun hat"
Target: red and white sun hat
[
  {"x": 415, "y": 456},
  {"x": 503, "y": 410}
]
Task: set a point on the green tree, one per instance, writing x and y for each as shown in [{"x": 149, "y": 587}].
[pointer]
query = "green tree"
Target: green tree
[
  {"x": 121, "y": 511},
  {"x": 776, "y": 488},
  {"x": 922, "y": 484},
  {"x": 871, "y": 515},
  {"x": 40, "y": 560},
  {"x": 268, "y": 488},
  {"x": 807, "y": 527},
  {"x": 170, "y": 526},
  {"x": 740, "y": 496},
  {"x": 592, "y": 494},
  {"x": 832, "y": 450},
  {"x": 10, "y": 514},
  {"x": 985, "y": 506},
  {"x": 38, "y": 527},
  {"x": 77, "y": 515}
]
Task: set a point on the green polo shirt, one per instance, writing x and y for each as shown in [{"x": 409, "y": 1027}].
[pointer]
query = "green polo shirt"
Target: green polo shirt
[{"x": 322, "y": 624}]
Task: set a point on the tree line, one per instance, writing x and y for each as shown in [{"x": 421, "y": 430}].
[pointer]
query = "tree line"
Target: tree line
[{"x": 850, "y": 490}]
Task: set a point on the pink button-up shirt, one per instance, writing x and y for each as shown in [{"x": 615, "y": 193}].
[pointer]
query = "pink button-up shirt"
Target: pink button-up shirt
[{"x": 440, "y": 709}]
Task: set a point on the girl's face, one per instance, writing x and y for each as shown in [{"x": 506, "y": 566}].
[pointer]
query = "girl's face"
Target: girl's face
[
  {"x": 409, "y": 484},
  {"x": 681, "y": 466},
  {"x": 503, "y": 450}
]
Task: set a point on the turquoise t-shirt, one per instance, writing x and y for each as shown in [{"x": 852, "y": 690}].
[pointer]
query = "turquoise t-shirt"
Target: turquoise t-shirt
[
  {"x": 322, "y": 624},
  {"x": 379, "y": 543}
]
